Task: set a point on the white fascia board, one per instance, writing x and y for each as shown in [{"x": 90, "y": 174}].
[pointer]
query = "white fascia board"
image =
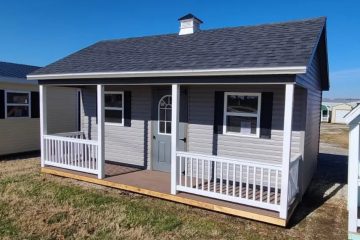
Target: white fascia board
[
  {"x": 176, "y": 73},
  {"x": 351, "y": 116}
]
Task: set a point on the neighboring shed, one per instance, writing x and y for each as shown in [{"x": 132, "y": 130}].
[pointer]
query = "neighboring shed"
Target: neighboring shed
[
  {"x": 325, "y": 113},
  {"x": 19, "y": 109},
  {"x": 340, "y": 111}
]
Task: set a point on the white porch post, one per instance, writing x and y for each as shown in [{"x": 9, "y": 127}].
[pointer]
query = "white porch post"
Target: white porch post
[
  {"x": 174, "y": 134},
  {"x": 353, "y": 176},
  {"x": 43, "y": 121},
  {"x": 100, "y": 131},
  {"x": 288, "y": 113}
]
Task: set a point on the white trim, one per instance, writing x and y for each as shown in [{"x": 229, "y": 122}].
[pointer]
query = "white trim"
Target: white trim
[
  {"x": 286, "y": 153},
  {"x": 159, "y": 116},
  {"x": 100, "y": 130},
  {"x": 174, "y": 73},
  {"x": 115, "y": 108},
  {"x": 257, "y": 115},
  {"x": 43, "y": 120},
  {"x": 175, "y": 89},
  {"x": 353, "y": 177},
  {"x": 18, "y": 104}
]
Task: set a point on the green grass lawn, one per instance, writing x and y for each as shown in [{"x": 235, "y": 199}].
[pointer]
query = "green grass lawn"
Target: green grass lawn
[{"x": 36, "y": 206}]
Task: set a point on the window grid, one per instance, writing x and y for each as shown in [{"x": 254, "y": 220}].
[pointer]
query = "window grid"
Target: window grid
[
  {"x": 242, "y": 114},
  {"x": 164, "y": 120},
  {"x": 115, "y": 108},
  {"x": 28, "y": 104}
]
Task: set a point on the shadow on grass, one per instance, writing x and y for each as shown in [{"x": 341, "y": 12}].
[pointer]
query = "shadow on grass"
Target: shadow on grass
[
  {"x": 331, "y": 171},
  {"x": 20, "y": 156}
]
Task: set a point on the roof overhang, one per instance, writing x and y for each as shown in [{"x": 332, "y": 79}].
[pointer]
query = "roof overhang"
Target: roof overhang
[
  {"x": 175, "y": 73},
  {"x": 13, "y": 80}
]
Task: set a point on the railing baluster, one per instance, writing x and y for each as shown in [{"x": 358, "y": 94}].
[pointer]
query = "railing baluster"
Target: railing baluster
[
  {"x": 233, "y": 179},
  {"x": 180, "y": 168},
  {"x": 197, "y": 173},
  {"x": 186, "y": 171},
  {"x": 261, "y": 184},
  {"x": 202, "y": 173},
  {"x": 276, "y": 186},
  {"x": 208, "y": 180},
  {"x": 191, "y": 173},
  {"x": 227, "y": 178},
  {"x": 269, "y": 185},
  {"x": 215, "y": 176},
  {"x": 247, "y": 183},
  {"x": 254, "y": 184},
  {"x": 240, "y": 181},
  {"x": 221, "y": 177}
]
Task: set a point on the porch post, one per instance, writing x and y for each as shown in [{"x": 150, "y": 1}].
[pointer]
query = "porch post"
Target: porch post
[
  {"x": 174, "y": 134},
  {"x": 100, "y": 131},
  {"x": 353, "y": 176},
  {"x": 288, "y": 113},
  {"x": 43, "y": 121}
]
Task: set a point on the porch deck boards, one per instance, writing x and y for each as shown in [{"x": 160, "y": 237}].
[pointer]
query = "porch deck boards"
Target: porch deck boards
[{"x": 157, "y": 184}]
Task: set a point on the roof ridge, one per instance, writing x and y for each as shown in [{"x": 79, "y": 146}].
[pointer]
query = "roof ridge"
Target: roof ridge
[
  {"x": 215, "y": 29},
  {"x": 22, "y": 64}
]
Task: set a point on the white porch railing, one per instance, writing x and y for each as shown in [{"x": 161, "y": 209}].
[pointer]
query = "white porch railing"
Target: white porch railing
[
  {"x": 293, "y": 179},
  {"x": 71, "y": 151},
  {"x": 243, "y": 182}
]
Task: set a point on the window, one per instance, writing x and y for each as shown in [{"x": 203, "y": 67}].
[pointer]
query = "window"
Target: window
[
  {"x": 114, "y": 108},
  {"x": 242, "y": 114},
  {"x": 17, "y": 104},
  {"x": 164, "y": 115}
]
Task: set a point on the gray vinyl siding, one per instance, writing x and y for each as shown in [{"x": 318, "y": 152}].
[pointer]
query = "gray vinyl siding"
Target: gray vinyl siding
[
  {"x": 312, "y": 81},
  {"x": 200, "y": 129},
  {"x": 129, "y": 145}
]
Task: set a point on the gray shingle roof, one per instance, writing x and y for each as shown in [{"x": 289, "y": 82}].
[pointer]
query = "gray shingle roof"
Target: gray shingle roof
[
  {"x": 15, "y": 70},
  {"x": 269, "y": 45}
]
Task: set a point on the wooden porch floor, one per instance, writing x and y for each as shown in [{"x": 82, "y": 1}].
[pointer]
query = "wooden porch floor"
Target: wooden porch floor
[{"x": 157, "y": 184}]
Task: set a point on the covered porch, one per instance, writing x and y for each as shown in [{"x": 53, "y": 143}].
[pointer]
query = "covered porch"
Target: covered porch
[{"x": 257, "y": 190}]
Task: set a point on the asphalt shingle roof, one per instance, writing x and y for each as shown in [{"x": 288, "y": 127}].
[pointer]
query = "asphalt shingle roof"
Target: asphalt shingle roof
[
  {"x": 269, "y": 45},
  {"x": 15, "y": 70}
]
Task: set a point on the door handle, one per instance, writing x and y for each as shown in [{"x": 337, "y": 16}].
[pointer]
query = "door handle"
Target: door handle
[
  {"x": 154, "y": 137},
  {"x": 183, "y": 139}
]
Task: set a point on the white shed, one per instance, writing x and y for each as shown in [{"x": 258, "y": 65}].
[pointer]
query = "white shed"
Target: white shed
[{"x": 353, "y": 120}]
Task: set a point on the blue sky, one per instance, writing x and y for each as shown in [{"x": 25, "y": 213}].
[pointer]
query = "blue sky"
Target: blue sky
[{"x": 40, "y": 32}]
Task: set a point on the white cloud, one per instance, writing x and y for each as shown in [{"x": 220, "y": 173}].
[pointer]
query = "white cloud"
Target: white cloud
[{"x": 347, "y": 74}]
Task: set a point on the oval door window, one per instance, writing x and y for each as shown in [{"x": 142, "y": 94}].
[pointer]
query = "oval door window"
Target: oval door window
[{"x": 164, "y": 115}]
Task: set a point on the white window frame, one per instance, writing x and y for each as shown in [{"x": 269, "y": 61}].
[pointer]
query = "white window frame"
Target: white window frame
[
  {"x": 17, "y": 104},
  {"x": 115, "y": 108},
  {"x": 257, "y": 115},
  {"x": 159, "y": 116}
]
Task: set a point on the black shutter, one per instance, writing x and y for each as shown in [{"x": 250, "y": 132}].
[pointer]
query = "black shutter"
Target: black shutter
[
  {"x": 127, "y": 109},
  {"x": 35, "y": 113},
  {"x": 2, "y": 104},
  {"x": 266, "y": 114},
  {"x": 219, "y": 112}
]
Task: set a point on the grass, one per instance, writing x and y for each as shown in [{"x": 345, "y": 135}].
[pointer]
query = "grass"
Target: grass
[
  {"x": 335, "y": 134},
  {"x": 36, "y": 206}
]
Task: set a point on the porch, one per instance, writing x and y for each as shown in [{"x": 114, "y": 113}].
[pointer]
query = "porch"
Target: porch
[
  {"x": 157, "y": 184},
  {"x": 260, "y": 190}
]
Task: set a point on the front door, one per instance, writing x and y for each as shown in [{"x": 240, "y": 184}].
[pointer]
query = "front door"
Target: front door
[{"x": 161, "y": 128}]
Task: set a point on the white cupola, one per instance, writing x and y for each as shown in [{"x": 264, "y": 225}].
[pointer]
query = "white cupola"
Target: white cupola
[{"x": 189, "y": 24}]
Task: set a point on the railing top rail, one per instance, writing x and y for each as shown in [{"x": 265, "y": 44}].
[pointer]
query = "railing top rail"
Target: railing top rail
[
  {"x": 229, "y": 160},
  {"x": 73, "y": 140},
  {"x": 67, "y": 133}
]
